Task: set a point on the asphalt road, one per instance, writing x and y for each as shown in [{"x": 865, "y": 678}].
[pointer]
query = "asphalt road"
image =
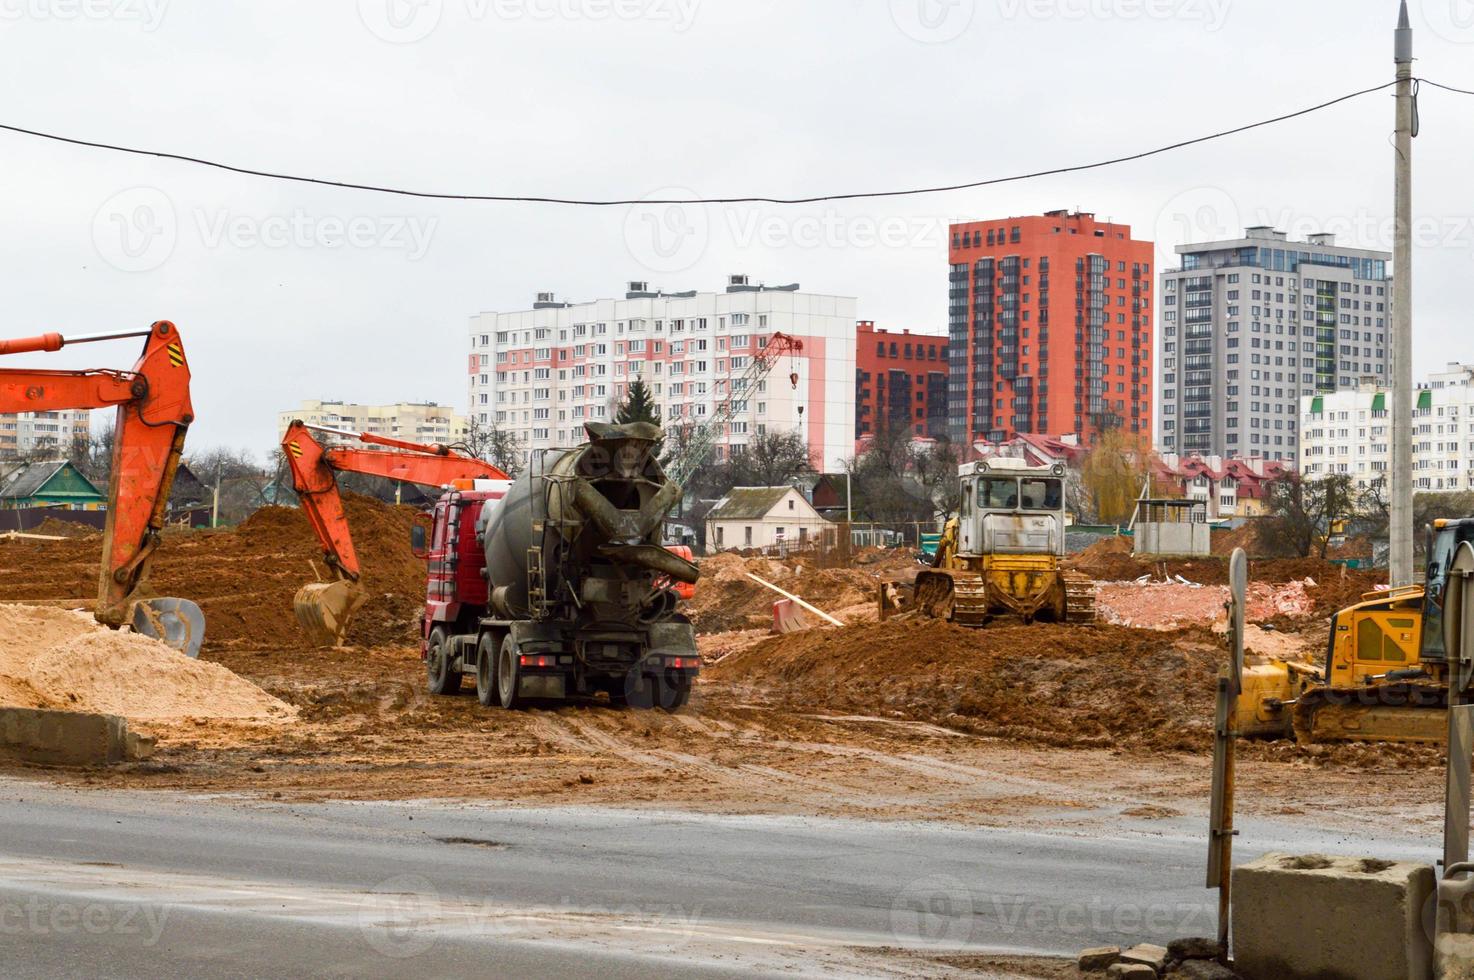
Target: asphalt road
[{"x": 139, "y": 885}]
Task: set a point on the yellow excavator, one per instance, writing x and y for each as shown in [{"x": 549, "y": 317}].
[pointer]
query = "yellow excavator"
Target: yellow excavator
[
  {"x": 1001, "y": 555},
  {"x": 1386, "y": 672}
]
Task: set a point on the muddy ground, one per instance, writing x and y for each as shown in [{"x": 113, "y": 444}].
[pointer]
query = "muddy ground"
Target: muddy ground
[{"x": 1047, "y": 724}]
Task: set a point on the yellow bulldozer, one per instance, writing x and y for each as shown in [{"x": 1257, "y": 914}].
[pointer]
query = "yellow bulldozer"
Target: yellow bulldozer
[
  {"x": 1386, "y": 673},
  {"x": 1001, "y": 554}
]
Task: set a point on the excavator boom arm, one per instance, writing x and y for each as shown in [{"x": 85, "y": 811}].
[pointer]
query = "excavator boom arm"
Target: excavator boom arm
[
  {"x": 154, "y": 412},
  {"x": 315, "y": 475}
]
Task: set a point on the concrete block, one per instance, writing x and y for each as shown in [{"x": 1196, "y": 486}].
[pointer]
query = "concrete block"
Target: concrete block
[
  {"x": 1098, "y": 958},
  {"x": 1130, "y": 971},
  {"x": 69, "y": 738},
  {"x": 1314, "y": 916},
  {"x": 1146, "y": 954}
]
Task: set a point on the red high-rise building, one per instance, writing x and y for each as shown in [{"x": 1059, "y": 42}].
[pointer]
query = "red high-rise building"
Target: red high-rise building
[
  {"x": 900, "y": 380},
  {"x": 1050, "y": 328}
]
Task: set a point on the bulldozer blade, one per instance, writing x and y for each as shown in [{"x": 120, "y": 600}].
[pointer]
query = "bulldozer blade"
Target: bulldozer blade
[
  {"x": 178, "y": 623},
  {"x": 326, "y": 608},
  {"x": 934, "y": 595}
]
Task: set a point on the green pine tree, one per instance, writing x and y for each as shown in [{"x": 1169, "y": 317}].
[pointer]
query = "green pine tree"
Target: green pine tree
[{"x": 638, "y": 406}]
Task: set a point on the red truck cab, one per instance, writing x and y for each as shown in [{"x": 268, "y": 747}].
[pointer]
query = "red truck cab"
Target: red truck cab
[{"x": 456, "y": 587}]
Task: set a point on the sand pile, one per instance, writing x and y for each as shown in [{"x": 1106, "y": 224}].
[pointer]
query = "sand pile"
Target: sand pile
[
  {"x": 56, "y": 658},
  {"x": 726, "y": 599},
  {"x": 244, "y": 579},
  {"x": 1045, "y": 683}
]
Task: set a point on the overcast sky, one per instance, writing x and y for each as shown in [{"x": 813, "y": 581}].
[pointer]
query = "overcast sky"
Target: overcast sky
[{"x": 285, "y": 291}]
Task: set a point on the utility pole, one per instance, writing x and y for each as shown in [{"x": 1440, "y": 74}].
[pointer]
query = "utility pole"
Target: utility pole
[{"x": 1400, "y": 531}]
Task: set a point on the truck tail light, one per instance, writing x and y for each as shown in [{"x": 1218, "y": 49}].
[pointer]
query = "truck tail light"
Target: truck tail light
[{"x": 537, "y": 660}]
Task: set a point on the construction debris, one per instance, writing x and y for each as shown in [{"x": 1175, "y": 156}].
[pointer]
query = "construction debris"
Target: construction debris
[{"x": 1179, "y": 603}]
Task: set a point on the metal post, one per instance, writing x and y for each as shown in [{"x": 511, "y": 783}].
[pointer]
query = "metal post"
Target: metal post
[
  {"x": 1400, "y": 532},
  {"x": 1230, "y": 683},
  {"x": 215, "y": 506},
  {"x": 1458, "y": 641}
]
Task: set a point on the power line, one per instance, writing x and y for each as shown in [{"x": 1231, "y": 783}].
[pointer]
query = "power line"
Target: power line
[
  {"x": 754, "y": 199},
  {"x": 1446, "y": 88}
]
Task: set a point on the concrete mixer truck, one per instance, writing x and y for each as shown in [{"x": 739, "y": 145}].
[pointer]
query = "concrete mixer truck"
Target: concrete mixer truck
[{"x": 560, "y": 587}]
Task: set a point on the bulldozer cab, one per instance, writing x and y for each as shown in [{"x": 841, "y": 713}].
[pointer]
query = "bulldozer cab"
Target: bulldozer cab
[
  {"x": 1011, "y": 508},
  {"x": 1374, "y": 637},
  {"x": 1401, "y": 630},
  {"x": 1444, "y": 538}
]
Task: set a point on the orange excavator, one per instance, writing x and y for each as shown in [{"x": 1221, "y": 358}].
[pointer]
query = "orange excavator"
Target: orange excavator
[
  {"x": 325, "y": 608},
  {"x": 154, "y": 412}
]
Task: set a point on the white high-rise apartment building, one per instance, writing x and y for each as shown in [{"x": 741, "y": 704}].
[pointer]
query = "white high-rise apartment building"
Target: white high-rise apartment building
[
  {"x": 26, "y": 433},
  {"x": 411, "y": 421},
  {"x": 1350, "y": 432},
  {"x": 542, "y": 373},
  {"x": 1252, "y": 325}
]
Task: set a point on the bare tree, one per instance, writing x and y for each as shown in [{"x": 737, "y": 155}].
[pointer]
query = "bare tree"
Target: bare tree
[
  {"x": 242, "y": 482},
  {"x": 1302, "y": 513},
  {"x": 498, "y": 446},
  {"x": 888, "y": 481}
]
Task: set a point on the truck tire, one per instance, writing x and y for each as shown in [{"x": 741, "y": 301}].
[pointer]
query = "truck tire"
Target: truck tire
[
  {"x": 441, "y": 679},
  {"x": 672, "y": 693},
  {"x": 634, "y": 691},
  {"x": 486, "y": 670},
  {"x": 507, "y": 676}
]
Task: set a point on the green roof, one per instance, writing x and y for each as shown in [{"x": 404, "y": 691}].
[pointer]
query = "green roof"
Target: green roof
[
  {"x": 747, "y": 503},
  {"x": 1425, "y": 399},
  {"x": 1379, "y": 402}
]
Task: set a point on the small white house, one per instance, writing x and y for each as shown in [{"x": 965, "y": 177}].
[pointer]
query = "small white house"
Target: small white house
[{"x": 763, "y": 517}]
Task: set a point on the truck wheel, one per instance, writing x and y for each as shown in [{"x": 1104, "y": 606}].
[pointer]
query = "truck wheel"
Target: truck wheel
[
  {"x": 673, "y": 693},
  {"x": 486, "y": 670},
  {"x": 442, "y": 680},
  {"x": 633, "y": 691},
  {"x": 507, "y": 680}
]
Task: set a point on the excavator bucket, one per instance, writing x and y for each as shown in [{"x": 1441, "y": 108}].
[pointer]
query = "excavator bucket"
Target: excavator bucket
[
  {"x": 177, "y": 622},
  {"x": 325, "y": 609}
]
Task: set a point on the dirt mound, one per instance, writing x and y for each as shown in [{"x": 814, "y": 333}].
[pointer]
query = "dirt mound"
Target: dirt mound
[
  {"x": 244, "y": 579},
  {"x": 1223, "y": 542},
  {"x": 726, "y": 599},
  {"x": 57, "y": 528},
  {"x": 1078, "y": 686},
  {"x": 56, "y": 658}
]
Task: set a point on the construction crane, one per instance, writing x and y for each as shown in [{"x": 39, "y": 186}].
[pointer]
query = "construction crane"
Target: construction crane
[
  {"x": 701, "y": 438},
  {"x": 325, "y": 608},
  {"x": 154, "y": 412}
]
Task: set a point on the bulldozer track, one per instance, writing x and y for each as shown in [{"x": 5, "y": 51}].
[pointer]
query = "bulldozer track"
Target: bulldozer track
[
  {"x": 1079, "y": 597},
  {"x": 1408, "y": 712}
]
